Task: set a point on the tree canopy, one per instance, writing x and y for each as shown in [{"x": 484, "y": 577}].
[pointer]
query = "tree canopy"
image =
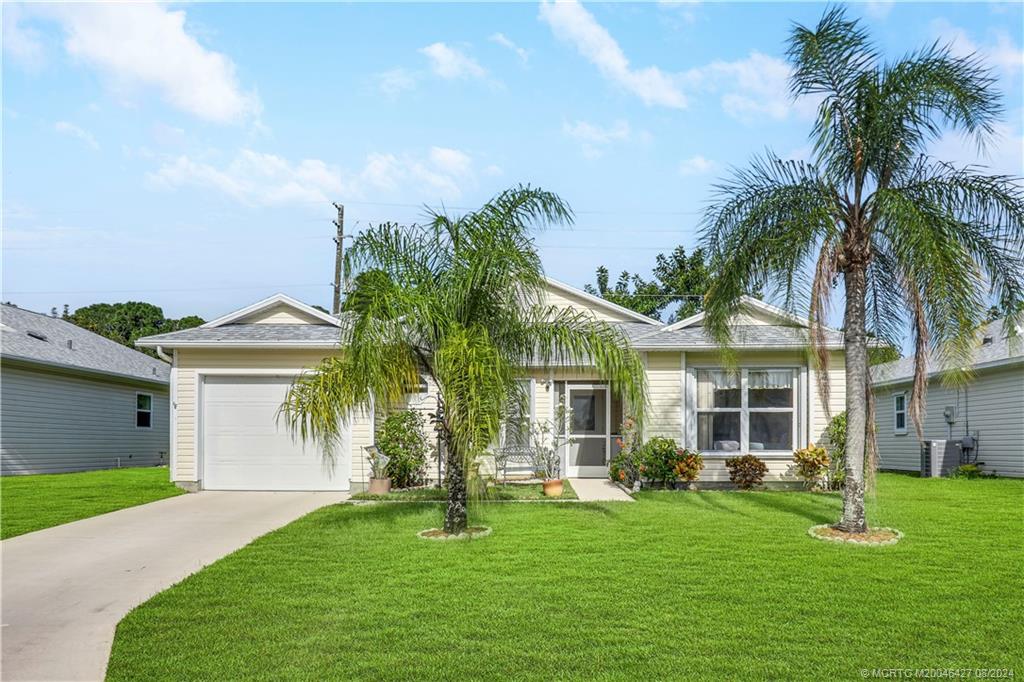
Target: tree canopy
[{"x": 129, "y": 321}]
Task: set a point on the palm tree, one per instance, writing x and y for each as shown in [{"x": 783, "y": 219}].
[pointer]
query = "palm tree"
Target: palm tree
[
  {"x": 910, "y": 238},
  {"x": 462, "y": 300}
]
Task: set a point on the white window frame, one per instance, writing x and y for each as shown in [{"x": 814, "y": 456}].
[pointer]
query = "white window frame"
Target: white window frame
[
  {"x": 138, "y": 410},
  {"x": 744, "y": 410},
  {"x": 897, "y": 431}
]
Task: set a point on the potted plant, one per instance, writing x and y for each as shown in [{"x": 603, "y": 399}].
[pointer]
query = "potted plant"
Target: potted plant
[
  {"x": 547, "y": 459},
  {"x": 380, "y": 484}
]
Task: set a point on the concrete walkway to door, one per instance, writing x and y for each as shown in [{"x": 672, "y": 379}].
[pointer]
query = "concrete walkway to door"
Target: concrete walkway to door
[
  {"x": 598, "y": 490},
  {"x": 64, "y": 589}
]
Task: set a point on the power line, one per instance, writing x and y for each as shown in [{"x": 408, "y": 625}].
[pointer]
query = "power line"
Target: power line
[{"x": 160, "y": 291}]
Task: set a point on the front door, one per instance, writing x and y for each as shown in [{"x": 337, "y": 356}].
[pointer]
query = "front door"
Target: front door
[{"x": 589, "y": 417}]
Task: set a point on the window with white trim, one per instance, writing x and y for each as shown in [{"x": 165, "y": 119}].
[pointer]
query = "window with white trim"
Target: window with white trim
[
  {"x": 899, "y": 413},
  {"x": 751, "y": 409},
  {"x": 143, "y": 411}
]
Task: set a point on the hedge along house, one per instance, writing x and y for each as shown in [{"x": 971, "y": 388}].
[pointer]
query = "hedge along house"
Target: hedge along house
[{"x": 229, "y": 376}]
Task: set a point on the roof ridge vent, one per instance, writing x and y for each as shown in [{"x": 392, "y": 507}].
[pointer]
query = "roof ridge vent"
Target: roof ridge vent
[{"x": 37, "y": 335}]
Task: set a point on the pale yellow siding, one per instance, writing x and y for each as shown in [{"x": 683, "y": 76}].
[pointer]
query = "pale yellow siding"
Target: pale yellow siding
[
  {"x": 191, "y": 362},
  {"x": 564, "y": 299},
  {"x": 665, "y": 395},
  {"x": 820, "y": 417},
  {"x": 279, "y": 314}
]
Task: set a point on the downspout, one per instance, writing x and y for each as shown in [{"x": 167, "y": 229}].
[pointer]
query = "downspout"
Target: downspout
[{"x": 163, "y": 356}]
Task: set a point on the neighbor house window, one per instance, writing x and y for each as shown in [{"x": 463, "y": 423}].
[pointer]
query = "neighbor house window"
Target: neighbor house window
[
  {"x": 899, "y": 413},
  {"x": 143, "y": 410},
  {"x": 748, "y": 409}
]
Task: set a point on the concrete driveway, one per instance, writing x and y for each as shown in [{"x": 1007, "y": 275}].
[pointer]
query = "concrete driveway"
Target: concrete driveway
[{"x": 64, "y": 589}]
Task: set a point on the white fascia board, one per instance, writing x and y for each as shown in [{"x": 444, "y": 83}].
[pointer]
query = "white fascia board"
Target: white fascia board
[
  {"x": 991, "y": 364},
  {"x": 237, "y": 344},
  {"x": 276, "y": 299}
]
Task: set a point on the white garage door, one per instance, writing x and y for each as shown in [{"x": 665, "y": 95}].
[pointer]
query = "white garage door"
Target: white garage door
[{"x": 244, "y": 448}]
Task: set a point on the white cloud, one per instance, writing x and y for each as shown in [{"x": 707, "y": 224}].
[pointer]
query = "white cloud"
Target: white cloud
[
  {"x": 1002, "y": 53},
  {"x": 256, "y": 179},
  {"x": 66, "y": 128},
  {"x": 595, "y": 139},
  {"x": 443, "y": 174},
  {"x": 143, "y": 45},
  {"x": 752, "y": 88},
  {"x": 878, "y": 9},
  {"x": 570, "y": 22},
  {"x": 697, "y": 165},
  {"x": 396, "y": 81},
  {"x": 451, "y": 63},
  {"x": 1004, "y": 155},
  {"x": 505, "y": 41},
  {"x": 21, "y": 42},
  {"x": 683, "y": 9}
]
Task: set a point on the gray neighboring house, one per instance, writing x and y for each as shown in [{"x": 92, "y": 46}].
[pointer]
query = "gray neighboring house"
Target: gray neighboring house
[
  {"x": 71, "y": 400},
  {"x": 990, "y": 407}
]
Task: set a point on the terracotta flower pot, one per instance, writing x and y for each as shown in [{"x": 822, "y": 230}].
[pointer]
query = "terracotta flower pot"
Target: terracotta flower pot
[
  {"x": 553, "y": 487},
  {"x": 379, "y": 486}
]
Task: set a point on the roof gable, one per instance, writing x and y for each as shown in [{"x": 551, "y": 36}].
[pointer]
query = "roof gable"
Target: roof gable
[
  {"x": 565, "y": 295},
  {"x": 753, "y": 312},
  {"x": 276, "y": 309}
]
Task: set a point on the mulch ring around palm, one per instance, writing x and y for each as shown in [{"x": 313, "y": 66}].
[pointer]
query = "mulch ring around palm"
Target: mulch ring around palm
[
  {"x": 873, "y": 536},
  {"x": 470, "y": 533}
]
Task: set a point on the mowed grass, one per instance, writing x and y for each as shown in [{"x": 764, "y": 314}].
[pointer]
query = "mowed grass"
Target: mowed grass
[
  {"x": 29, "y": 503},
  {"x": 720, "y": 585},
  {"x": 510, "y": 491}
]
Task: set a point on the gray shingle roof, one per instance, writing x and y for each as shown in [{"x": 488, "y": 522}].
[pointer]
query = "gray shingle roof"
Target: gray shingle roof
[
  {"x": 88, "y": 351},
  {"x": 759, "y": 336},
  {"x": 249, "y": 333},
  {"x": 1001, "y": 347}
]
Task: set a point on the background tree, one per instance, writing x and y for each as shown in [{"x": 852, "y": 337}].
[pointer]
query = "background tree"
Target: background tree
[
  {"x": 909, "y": 237},
  {"x": 127, "y": 322},
  {"x": 678, "y": 285},
  {"x": 461, "y": 299}
]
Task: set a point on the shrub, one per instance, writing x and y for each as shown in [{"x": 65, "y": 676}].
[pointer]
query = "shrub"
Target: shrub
[
  {"x": 401, "y": 438},
  {"x": 746, "y": 471},
  {"x": 970, "y": 471},
  {"x": 688, "y": 465},
  {"x": 836, "y": 435},
  {"x": 625, "y": 468},
  {"x": 811, "y": 464},
  {"x": 658, "y": 460},
  {"x": 625, "y": 465}
]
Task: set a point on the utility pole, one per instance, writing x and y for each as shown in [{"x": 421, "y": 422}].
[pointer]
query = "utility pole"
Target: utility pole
[{"x": 339, "y": 257}]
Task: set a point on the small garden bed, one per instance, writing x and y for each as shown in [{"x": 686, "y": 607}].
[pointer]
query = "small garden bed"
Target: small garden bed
[
  {"x": 470, "y": 533},
  {"x": 505, "y": 492}
]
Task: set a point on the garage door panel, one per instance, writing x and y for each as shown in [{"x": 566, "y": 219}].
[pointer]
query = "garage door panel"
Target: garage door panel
[{"x": 244, "y": 448}]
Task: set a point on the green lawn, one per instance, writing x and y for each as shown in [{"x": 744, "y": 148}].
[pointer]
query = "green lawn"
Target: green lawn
[
  {"x": 713, "y": 584},
  {"x": 29, "y": 503},
  {"x": 511, "y": 491}
]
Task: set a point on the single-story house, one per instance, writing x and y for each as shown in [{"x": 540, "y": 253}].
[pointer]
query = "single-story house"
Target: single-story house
[
  {"x": 989, "y": 408},
  {"x": 71, "y": 400},
  {"x": 229, "y": 376}
]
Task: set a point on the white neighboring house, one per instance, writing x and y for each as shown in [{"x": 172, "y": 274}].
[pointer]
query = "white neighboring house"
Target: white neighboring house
[
  {"x": 990, "y": 407},
  {"x": 230, "y": 376},
  {"x": 71, "y": 400}
]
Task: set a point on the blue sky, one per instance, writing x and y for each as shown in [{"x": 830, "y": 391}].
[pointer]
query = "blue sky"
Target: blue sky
[{"x": 187, "y": 155}]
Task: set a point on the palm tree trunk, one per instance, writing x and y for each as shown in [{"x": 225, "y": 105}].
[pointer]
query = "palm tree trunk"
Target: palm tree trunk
[
  {"x": 455, "y": 513},
  {"x": 854, "y": 520}
]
